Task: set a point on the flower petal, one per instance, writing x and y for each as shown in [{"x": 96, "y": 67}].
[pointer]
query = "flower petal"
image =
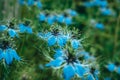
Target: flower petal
[
  {"x": 51, "y": 40},
  {"x": 28, "y": 29},
  {"x": 12, "y": 33},
  {"x": 68, "y": 72},
  {"x": 3, "y": 27},
  {"x": 80, "y": 70},
  {"x": 55, "y": 63}
]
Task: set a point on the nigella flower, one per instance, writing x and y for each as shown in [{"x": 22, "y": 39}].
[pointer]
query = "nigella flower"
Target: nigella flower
[
  {"x": 111, "y": 67},
  {"x": 10, "y": 29},
  {"x": 106, "y": 11},
  {"x": 107, "y": 78},
  {"x": 68, "y": 20},
  {"x": 99, "y": 25},
  {"x": 60, "y": 18},
  {"x": 118, "y": 69},
  {"x": 75, "y": 43},
  {"x": 42, "y": 17},
  {"x": 88, "y": 4},
  {"x": 57, "y": 37},
  {"x": 86, "y": 55},
  {"x": 72, "y": 12},
  {"x": 93, "y": 74},
  {"x": 51, "y": 19},
  {"x": 25, "y": 27},
  {"x": 21, "y": 2},
  {"x": 38, "y": 4},
  {"x": 69, "y": 63},
  {"x": 3, "y": 27},
  {"x": 30, "y": 2},
  {"x": 101, "y": 3},
  {"x": 7, "y": 53},
  {"x": 34, "y": 2}
]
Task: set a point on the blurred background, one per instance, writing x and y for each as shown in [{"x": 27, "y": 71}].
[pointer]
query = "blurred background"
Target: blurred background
[{"x": 97, "y": 20}]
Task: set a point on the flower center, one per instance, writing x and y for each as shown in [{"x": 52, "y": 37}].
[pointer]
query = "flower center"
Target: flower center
[
  {"x": 27, "y": 23},
  {"x": 71, "y": 59},
  {"x": 4, "y": 45},
  {"x": 55, "y": 32},
  {"x": 11, "y": 25}
]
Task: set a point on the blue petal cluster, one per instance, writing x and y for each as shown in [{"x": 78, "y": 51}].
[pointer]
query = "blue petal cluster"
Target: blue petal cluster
[
  {"x": 60, "y": 18},
  {"x": 25, "y": 28},
  {"x": 112, "y": 67},
  {"x": 12, "y": 32},
  {"x": 31, "y": 3},
  {"x": 71, "y": 65},
  {"x": 7, "y": 53}
]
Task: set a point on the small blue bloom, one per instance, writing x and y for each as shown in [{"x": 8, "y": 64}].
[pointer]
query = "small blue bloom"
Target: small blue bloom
[
  {"x": 39, "y": 4},
  {"x": 68, "y": 20},
  {"x": 3, "y": 27},
  {"x": 57, "y": 37},
  {"x": 56, "y": 63},
  {"x": 8, "y": 55},
  {"x": 88, "y": 4},
  {"x": 118, "y": 70},
  {"x": 99, "y": 26},
  {"x": 58, "y": 53},
  {"x": 30, "y": 2},
  {"x": 70, "y": 64},
  {"x": 106, "y": 11},
  {"x": 75, "y": 44},
  {"x": 44, "y": 35},
  {"x": 68, "y": 72},
  {"x": 107, "y": 78},
  {"x": 86, "y": 55},
  {"x": 21, "y": 2},
  {"x": 60, "y": 18},
  {"x": 72, "y": 12},
  {"x": 90, "y": 77},
  {"x": 24, "y": 28},
  {"x": 51, "y": 19},
  {"x": 42, "y": 17},
  {"x": 93, "y": 74},
  {"x": 12, "y": 33},
  {"x": 111, "y": 67}
]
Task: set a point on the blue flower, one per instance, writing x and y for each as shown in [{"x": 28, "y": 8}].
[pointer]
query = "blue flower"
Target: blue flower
[
  {"x": 72, "y": 12},
  {"x": 118, "y": 70},
  {"x": 30, "y": 2},
  {"x": 12, "y": 33},
  {"x": 107, "y": 78},
  {"x": 76, "y": 44},
  {"x": 88, "y": 4},
  {"x": 51, "y": 19},
  {"x": 57, "y": 37},
  {"x": 99, "y": 25},
  {"x": 106, "y": 11},
  {"x": 8, "y": 55},
  {"x": 111, "y": 67},
  {"x": 71, "y": 65},
  {"x": 86, "y": 55},
  {"x": 39, "y": 4},
  {"x": 100, "y": 3},
  {"x": 93, "y": 74},
  {"x": 21, "y": 2},
  {"x": 3, "y": 28},
  {"x": 42, "y": 17},
  {"x": 25, "y": 28},
  {"x": 60, "y": 18},
  {"x": 68, "y": 20}
]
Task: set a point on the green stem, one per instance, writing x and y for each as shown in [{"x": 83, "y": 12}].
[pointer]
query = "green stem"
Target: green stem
[{"x": 116, "y": 34}]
